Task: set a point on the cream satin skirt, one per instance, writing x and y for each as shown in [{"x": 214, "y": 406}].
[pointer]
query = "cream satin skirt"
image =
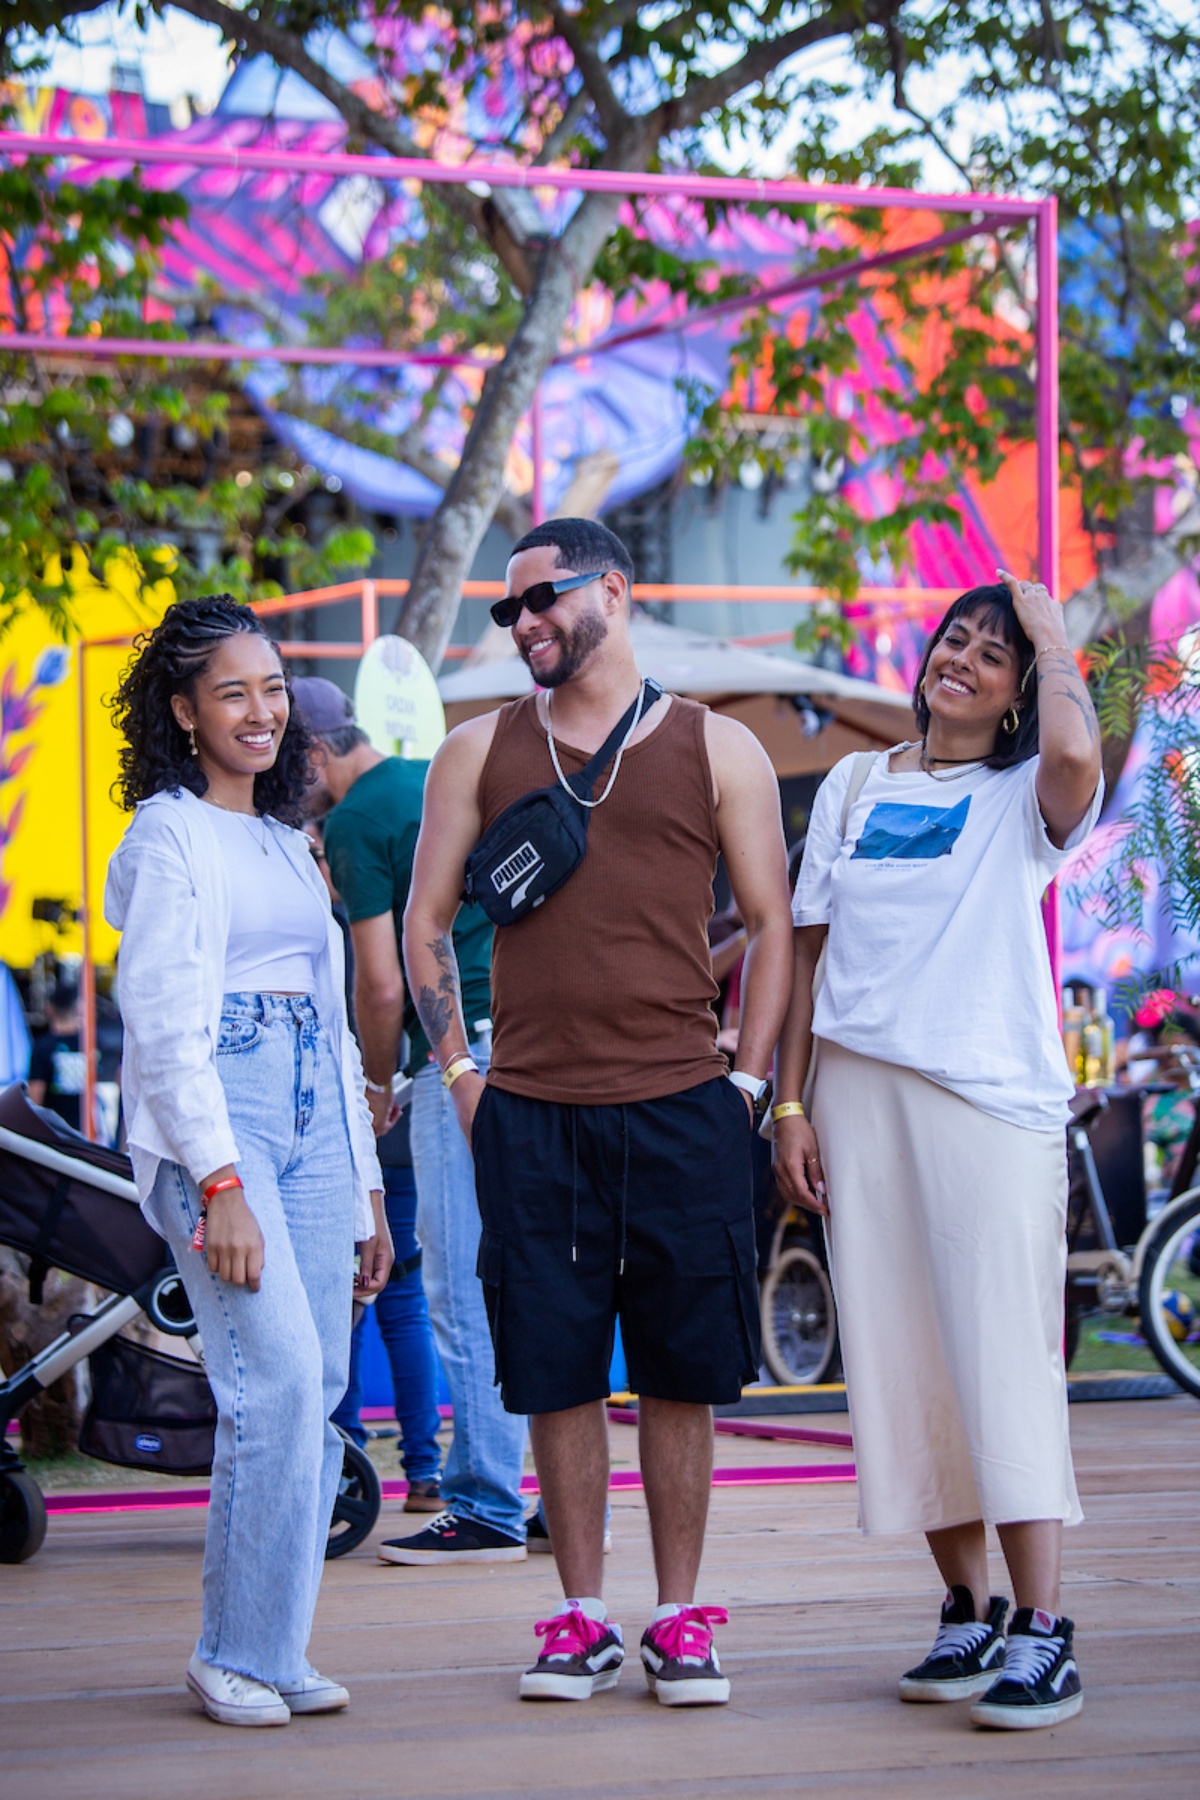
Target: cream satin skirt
[{"x": 947, "y": 1251}]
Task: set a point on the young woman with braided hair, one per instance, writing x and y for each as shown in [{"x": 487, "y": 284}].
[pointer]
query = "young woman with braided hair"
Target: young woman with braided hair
[{"x": 250, "y": 1139}]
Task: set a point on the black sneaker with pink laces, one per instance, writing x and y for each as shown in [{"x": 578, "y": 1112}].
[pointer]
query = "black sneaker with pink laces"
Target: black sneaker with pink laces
[
  {"x": 680, "y": 1659},
  {"x": 579, "y": 1658}
]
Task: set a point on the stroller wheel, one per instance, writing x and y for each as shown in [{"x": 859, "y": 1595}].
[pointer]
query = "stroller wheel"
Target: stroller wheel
[
  {"x": 22, "y": 1517},
  {"x": 359, "y": 1498}
]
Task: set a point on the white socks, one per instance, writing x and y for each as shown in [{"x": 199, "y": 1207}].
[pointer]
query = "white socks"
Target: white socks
[{"x": 592, "y": 1609}]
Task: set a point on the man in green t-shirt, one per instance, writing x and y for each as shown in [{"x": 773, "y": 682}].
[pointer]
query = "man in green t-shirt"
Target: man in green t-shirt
[{"x": 370, "y": 837}]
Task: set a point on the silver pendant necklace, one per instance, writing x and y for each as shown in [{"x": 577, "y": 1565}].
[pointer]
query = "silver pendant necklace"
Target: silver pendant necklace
[{"x": 247, "y": 817}]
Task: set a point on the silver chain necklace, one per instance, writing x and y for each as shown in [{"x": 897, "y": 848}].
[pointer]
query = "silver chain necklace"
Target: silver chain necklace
[
  {"x": 261, "y": 842},
  {"x": 959, "y": 774},
  {"x": 633, "y": 725}
]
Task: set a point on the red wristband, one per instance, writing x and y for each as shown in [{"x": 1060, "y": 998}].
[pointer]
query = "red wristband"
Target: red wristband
[{"x": 218, "y": 1187}]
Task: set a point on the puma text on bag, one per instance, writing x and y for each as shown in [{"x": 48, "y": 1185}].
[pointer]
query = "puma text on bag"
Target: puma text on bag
[{"x": 538, "y": 842}]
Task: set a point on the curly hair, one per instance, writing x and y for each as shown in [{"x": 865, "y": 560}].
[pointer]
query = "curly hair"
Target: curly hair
[
  {"x": 992, "y": 607},
  {"x": 156, "y": 754}
]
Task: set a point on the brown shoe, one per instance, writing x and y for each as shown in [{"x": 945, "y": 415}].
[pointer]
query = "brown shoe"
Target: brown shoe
[{"x": 424, "y": 1497}]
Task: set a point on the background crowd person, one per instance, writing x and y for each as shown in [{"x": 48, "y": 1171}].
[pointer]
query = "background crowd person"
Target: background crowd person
[
  {"x": 251, "y": 1143},
  {"x": 936, "y": 1147},
  {"x": 370, "y": 838},
  {"x": 612, "y": 1151},
  {"x": 401, "y": 1312},
  {"x": 56, "y": 1060}
]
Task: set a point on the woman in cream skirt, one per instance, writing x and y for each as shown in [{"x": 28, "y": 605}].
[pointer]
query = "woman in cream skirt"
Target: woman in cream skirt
[{"x": 938, "y": 1093}]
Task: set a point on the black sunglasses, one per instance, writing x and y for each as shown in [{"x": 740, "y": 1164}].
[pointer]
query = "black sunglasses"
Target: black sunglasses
[{"x": 539, "y": 598}]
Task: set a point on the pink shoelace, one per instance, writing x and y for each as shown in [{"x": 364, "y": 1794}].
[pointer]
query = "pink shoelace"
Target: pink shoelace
[
  {"x": 569, "y": 1633},
  {"x": 687, "y": 1636}
]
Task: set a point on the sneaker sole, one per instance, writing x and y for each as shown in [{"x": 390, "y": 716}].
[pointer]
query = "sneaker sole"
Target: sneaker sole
[
  {"x": 707, "y": 1691},
  {"x": 963, "y": 1688},
  {"x": 539, "y": 1685},
  {"x": 254, "y": 1717},
  {"x": 319, "y": 1703},
  {"x": 1025, "y": 1718},
  {"x": 421, "y": 1558}
]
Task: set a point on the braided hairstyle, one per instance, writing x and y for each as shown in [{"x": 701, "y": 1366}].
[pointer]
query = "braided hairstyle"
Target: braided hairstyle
[{"x": 156, "y": 754}]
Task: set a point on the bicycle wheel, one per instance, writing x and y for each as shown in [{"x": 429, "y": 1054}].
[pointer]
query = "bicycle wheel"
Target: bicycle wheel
[
  {"x": 359, "y": 1499},
  {"x": 799, "y": 1323},
  {"x": 1169, "y": 1293}
]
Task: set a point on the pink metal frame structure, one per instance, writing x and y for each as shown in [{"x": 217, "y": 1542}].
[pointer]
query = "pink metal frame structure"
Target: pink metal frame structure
[{"x": 982, "y": 213}]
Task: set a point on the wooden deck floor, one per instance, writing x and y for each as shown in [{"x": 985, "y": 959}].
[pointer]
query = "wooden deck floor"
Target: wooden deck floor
[{"x": 96, "y": 1630}]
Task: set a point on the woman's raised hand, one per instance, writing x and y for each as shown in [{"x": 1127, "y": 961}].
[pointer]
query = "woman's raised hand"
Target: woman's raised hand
[
  {"x": 797, "y": 1159},
  {"x": 1040, "y": 615}
]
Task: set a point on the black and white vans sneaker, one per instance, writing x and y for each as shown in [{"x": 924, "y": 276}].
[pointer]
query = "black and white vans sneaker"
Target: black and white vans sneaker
[
  {"x": 449, "y": 1539},
  {"x": 1040, "y": 1684},
  {"x": 578, "y": 1659},
  {"x": 967, "y": 1653}
]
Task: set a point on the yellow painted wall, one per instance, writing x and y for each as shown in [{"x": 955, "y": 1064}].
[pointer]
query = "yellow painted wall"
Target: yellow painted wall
[{"x": 43, "y": 858}]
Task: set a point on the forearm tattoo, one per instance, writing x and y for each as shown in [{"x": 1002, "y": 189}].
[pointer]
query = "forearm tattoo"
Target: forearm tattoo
[
  {"x": 436, "y": 1007},
  {"x": 1061, "y": 669}
]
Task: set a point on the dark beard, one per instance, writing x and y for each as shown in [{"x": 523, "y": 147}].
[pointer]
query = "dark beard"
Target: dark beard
[{"x": 576, "y": 646}]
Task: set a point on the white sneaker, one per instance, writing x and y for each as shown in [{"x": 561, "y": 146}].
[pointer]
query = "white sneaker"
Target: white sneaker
[
  {"x": 314, "y": 1694},
  {"x": 235, "y": 1699}
]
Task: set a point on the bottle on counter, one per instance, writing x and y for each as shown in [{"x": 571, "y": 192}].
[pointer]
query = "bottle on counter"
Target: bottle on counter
[
  {"x": 1073, "y": 1016},
  {"x": 1105, "y": 1026}
]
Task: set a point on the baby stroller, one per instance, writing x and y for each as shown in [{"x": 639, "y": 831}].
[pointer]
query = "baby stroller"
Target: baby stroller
[{"x": 70, "y": 1204}]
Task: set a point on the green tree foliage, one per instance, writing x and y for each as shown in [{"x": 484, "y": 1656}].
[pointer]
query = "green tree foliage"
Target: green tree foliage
[
  {"x": 1151, "y": 864},
  {"x": 1095, "y": 104},
  {"x": 79, "y": 438}
]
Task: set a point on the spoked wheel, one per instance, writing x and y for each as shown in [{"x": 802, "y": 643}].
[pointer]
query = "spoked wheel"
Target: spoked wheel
[
  {"x": 22, "y": 1517},
  {"x": 1169, "y": 1293},
  {"x": 799, "y": 1323},
  {"x": 358, "y": 1501}
]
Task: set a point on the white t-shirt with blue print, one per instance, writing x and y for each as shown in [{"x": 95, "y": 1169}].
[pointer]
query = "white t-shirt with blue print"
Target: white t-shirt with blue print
[{"x": 937, "y": 957}]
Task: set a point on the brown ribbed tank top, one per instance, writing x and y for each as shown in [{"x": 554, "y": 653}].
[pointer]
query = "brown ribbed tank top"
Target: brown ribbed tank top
[{"x": 603, "y": 994}]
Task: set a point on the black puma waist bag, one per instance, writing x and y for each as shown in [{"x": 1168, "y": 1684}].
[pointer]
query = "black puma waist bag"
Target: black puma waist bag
[{"x": 538, "y": 842}]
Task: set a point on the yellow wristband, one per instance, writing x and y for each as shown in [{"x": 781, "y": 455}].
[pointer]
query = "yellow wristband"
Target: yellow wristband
[
  {"x": 460, "y": 1066},
  {"x": 787, "y": 1109}
]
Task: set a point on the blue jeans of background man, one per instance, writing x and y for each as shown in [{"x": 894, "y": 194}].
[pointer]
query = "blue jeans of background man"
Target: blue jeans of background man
[
  {"x": 482, "y": 1477},
  {"x": 402, "y": 1314},
  {"x": 277, "y": 1360}
]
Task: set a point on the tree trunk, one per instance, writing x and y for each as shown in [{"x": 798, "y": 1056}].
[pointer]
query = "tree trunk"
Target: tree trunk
[{"x": 457, "y": 527}]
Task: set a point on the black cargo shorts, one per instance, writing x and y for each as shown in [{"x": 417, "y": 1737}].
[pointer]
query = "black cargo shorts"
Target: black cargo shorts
[{"x": 641, "y": 1212}]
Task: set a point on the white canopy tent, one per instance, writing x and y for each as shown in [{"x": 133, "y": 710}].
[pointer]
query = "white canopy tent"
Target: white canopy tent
[{"x": 805, "y": 717}]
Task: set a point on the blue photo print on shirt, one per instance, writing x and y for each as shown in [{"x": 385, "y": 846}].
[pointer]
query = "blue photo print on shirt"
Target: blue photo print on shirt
[{"x": 911, "y": 833}]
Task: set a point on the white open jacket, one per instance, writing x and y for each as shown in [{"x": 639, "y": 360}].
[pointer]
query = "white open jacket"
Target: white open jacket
[{"x": 168, "y": 894}]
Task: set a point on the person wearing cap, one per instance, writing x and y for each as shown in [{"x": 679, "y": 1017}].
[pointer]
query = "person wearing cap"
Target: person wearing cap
[{"x": 370, "y": 839}]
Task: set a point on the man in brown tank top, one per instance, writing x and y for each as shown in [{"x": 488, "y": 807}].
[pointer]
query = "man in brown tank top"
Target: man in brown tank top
[{"x": 612, "y": 1147}]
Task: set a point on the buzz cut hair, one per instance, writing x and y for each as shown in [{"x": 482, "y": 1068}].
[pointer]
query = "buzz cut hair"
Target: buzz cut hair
[{"x": 582, "y": 545}]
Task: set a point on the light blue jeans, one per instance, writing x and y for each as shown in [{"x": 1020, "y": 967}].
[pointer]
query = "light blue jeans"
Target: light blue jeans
[
  {"x": 277, "y": 1360},
  {"x": 482, "y": 1476}
]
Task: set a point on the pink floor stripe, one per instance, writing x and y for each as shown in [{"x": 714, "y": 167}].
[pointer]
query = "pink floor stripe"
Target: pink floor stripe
[
  {"x": 785, "y": 1434},
  {"x": 624, "y": 1481}
]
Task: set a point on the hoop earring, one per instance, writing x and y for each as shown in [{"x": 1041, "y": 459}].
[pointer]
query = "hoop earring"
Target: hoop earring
[
  {"x": 1015, "y": 716},
  {"x": 192, "y": 740}
]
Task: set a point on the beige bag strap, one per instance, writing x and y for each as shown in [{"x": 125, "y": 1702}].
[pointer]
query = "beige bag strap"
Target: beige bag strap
[{"x": 864, "y": 762}]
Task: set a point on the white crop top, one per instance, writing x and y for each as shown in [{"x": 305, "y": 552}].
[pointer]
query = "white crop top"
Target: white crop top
[{"x": 277, "y": 928}]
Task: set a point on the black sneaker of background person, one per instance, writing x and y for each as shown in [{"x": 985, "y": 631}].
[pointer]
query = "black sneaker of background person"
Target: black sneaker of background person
[
  {"x": 967, "y": 1653},
  {"x": 449, "y": 1539},
  {"x": 1040, "y": 1684}
]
